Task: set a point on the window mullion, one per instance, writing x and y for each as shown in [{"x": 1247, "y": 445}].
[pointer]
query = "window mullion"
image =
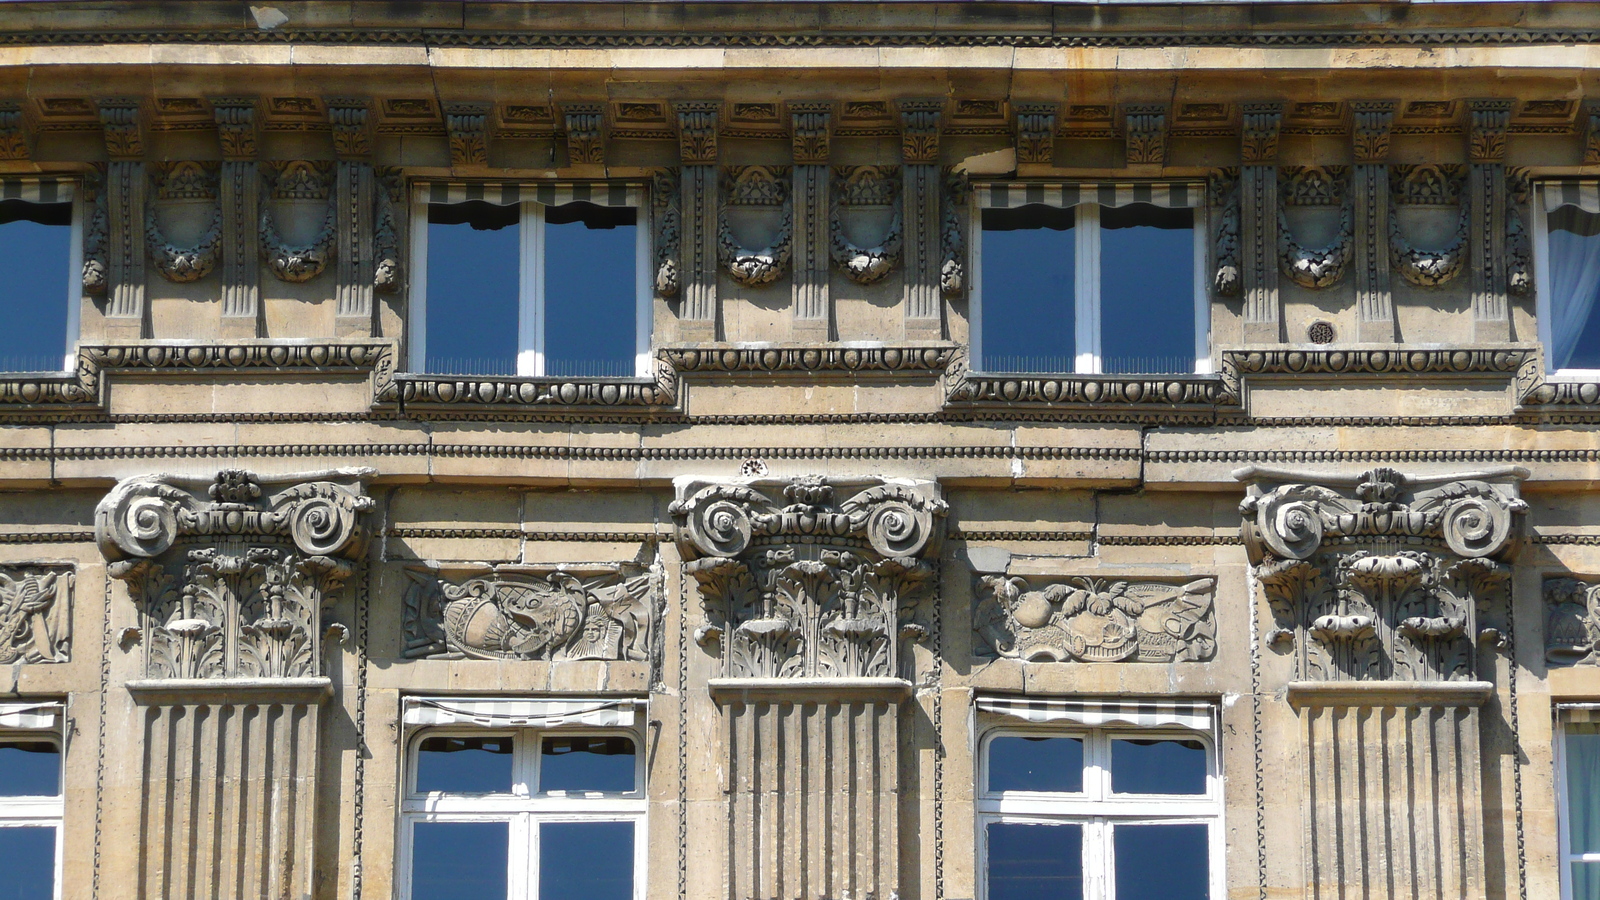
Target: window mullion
[
  {"x": 1086, "y": 288},
  {"x": 530, "y": 300}
]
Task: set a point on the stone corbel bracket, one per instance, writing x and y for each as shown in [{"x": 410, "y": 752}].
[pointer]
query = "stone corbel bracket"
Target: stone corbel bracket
[{"x": 810, "y": 582}]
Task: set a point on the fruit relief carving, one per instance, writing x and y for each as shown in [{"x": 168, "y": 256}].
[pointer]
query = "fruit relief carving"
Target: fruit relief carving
[
  {"x": 1383, "y": 576},
  {"x": 1039, "y": 619},
  {"x": 518, "y": 612},
  {"x": 232, "y": 575},
  {"x": 809, "y": 578},
  {"x": 35, "y": 614}
]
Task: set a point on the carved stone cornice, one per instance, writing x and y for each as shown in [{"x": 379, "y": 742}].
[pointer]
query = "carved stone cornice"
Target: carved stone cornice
[
  {"x": 1369, "y": 132},
  {"x": 236, "y": 126},
  {"x": 232, "y": 574},
  {"x": 585, "y": 128},
  {"x": 697, "y": 131},
  {"x": 16, "y": 136},
  {"x": 809, "y": 578},
  {"x": 123, "y": 135},
  {"x": 468, "y": 127},
  {"x": 1035, "y": 132},
  {"x": 1145, "y": 133},
  {"x": 1383, "y": 576},
  {"x": 530, "y": 613},
  {"x": 1082, "y": 619},
  {"x": 350, "y": 121},
  {"x": 919, "y": 130},
  {"x": 811, "y": 132},
  {"x": 1488, "y": 121},
  {"x": 1258, "y": 139}
]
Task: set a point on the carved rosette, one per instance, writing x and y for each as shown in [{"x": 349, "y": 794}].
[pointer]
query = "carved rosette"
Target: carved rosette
[
  {"x": 1094, "y": 619},
  {"x": 1383, "y": 576},
  {"x": 797, "y": 583},
  {"x": 232, "y": 577},
  {"x": 512, "y": 612}
]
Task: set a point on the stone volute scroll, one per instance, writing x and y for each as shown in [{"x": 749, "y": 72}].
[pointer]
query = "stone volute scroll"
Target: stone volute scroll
[
  {"x": 814, "y": 581},
  {"x": 232, "y": 574},
  {"x": 1390, "y": 580}
]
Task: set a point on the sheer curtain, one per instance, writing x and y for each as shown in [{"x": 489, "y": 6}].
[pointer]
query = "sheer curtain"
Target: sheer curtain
[
  {"x": 1583, "y": 807},
  {"x": 1574, "y": 241}
]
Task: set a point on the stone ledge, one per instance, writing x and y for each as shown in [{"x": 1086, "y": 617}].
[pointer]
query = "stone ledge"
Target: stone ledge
[
  {"x": 230, "y": 691},
  {"x": 1313, "y": 694},
  {"x": 809, "y": 690}
]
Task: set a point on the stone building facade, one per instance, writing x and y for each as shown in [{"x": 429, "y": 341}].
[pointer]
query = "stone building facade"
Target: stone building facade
[{"x": 818, "y": 598}]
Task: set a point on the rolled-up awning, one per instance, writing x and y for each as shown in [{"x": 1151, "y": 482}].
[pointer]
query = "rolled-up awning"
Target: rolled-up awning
[
  {"x": 1583, "y": 193},
  {"x": 33, "y": 716},
  {"x": 1180, "y": 195},
  {"x": 1191, "y": 714},
  {"x": 549, "y": 193},
  {"x": 608, "y": 712}
]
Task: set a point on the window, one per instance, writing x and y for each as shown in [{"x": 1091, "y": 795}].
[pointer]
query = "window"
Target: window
[
  {"x": 542, "y": 804},
  {"x": 1083, "y": 802},
  {"x": 529, "y": 280},
  {"x": 30, "y": 799},
  {"x": 1090, "y": 278},
  {"x": 1567, "y": 248},
  {"x": 39, "y": 252},
  {"x": 1578, "y": 789}
]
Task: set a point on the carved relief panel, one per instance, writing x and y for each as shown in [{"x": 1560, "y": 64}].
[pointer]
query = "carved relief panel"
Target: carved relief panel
[
  {"x": 1383, "y": 576},
  {"x": 530, "y": 613},
  {"x": 35, "y": 614},
  {"x": 1572, "y": 621},
  {"x": 1081, "y": 619},
  {"x": 813, "y": 578},
  {"x": 231, "y": 578}
]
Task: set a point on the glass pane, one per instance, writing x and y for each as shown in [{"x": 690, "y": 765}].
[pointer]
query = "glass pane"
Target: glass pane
[
  {"x": 1574, "y": 283},
  {"x": 30, "y": 769},
  {"x": 1583, "y": 788},
  {"x": 35, "y": 254},
  {"x": 567, "y": 861},
  {"x": 1036, "y": 764},
  {"x": 1586, "y": 881},
  {"x": 1035, "y": 862},
  {"x": 29, "y": 857},
  {"x": 590, "y": 291},
  {"x": 473, "y": 282},
  {"x": 1146, "y": 289},
  {"x": 459, "y": 860},
  {"x": 1159, "y": 766},
  {"x": 465, "y": 765},
  {"x": 1162, "y": 862},
  {"x": 587, "y": 763},
  {"x": 1029, "y": 256}
]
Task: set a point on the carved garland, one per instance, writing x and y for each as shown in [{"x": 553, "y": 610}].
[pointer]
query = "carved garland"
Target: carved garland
[
  {"x": 95, "y": 234},
  {"x": 756, "y": 186},
  {"x": 291, "y": 263},
  {"x": 387, "y": 275},
  {"x": 665, "y": 200},
  {"x": 185, "y": 180},
  {"x": 865, "y": 186},
  {"x": 953, "y": 271},
  {"x": 1225, "y": 248},
  {"x": 1319, "y": 267},
  {"x": 1429, "y": 268}
]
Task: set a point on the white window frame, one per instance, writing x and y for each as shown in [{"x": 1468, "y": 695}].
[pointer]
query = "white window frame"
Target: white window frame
[
  {"x": 1566, "y": 857},
  {"x": 1096, "y": 808},
  {"x": 523, "y": 809},
  {"x": 530, "y": 286},
  {"x": 46, "y": 811},
  {"x": 1086, "y": 288}
]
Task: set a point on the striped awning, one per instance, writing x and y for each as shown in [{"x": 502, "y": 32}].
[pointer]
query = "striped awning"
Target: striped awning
[
  {"x": 1195, "y": 715},
  {"x": 1171, "y": 195},
  {"x": 1583, "y": 193},
  {"x": 30, "y": 716},
  {"x": 549, "y": 193},
  {"x": 37, "y": 190},
  {"x": 1579, "y": 713},
  {"x": 606, "y": 712}
]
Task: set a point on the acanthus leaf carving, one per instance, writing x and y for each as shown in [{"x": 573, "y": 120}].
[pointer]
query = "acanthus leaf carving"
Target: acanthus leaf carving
[
  {"x": 35, "y": 614},
  {"x": 1145, "y": 138},
  {"x": 15, "y": 135},
  {"x": 756, "y": 186},
  {"x": 468, "y": 127},
  {"x": 1036, "y": 132},
  {"x": 1382, "y": 576},
  {"x": 1370, "y": 129},
  {"x": 232, "y": 583},
  {"x": 1572, "y": 621},
  {"x": 809, "y": 586},
  {"x": 298, "y": 180},
  {"x": 530, "y": 613},
  {"x": 352, "y": 132},
  {"x": 585, "y": 124},
  {"x": 1082, "y": 619},
  {"x": 865, "y": 186}
]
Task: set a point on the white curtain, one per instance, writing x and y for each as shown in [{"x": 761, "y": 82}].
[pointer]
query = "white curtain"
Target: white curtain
[
  {"x": 1574, "y": 278},
  {"x": 1583, "y": 807}
]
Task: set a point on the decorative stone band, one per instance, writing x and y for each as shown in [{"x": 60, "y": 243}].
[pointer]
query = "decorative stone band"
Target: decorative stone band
[
  {"x": 594, "y": 712},
  {"x": 549, "y": 193},
  {"x": 30, "y": 716},
  {"x": 38, "y": 190},
  {"x": 1196, "y": 715},
  {"x": 1172, "y": 195}
]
